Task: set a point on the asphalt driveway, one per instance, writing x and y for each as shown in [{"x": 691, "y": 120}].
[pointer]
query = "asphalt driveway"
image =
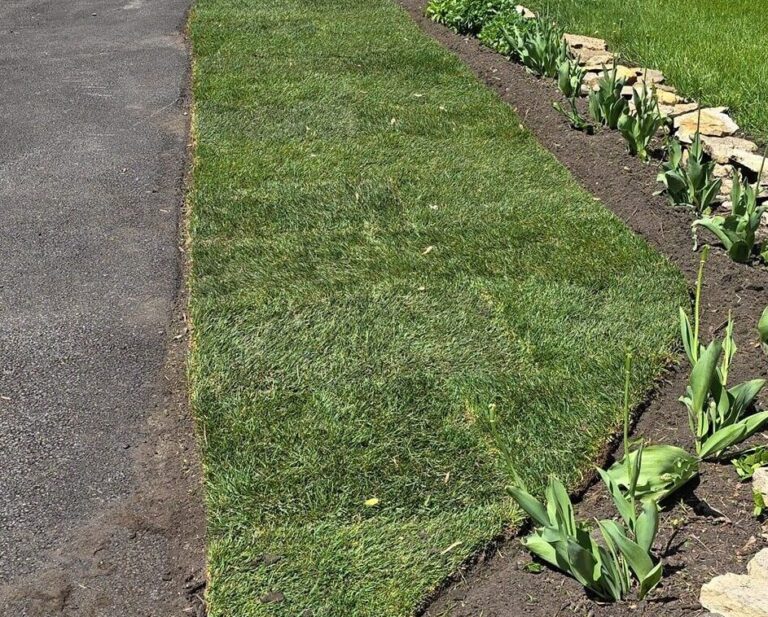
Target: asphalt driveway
[{"x": 99, "y": 490}]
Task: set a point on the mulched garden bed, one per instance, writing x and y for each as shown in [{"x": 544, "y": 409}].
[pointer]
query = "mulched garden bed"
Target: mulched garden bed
[{"x": 708, "y": 528}]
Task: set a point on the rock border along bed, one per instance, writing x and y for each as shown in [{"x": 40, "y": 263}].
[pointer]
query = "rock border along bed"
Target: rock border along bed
[
  {"x": 727, "y": 595},
  {"x": 716, "y": 127}
]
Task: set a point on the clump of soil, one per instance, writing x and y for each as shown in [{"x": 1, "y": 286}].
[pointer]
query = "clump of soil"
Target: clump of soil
[{"x": 707, "y": 529}]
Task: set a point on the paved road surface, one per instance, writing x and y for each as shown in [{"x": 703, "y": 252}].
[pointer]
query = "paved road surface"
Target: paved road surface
[{"x": 99, "y": 498}]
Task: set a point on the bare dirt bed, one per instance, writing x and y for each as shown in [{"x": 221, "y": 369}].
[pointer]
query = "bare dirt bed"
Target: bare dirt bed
[{"x": 708, "y": 529}]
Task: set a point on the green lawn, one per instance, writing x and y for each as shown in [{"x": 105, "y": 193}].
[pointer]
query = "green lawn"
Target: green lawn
[
  {"x": 380, "y": 251},
  {"x": 713, "y": 50}
]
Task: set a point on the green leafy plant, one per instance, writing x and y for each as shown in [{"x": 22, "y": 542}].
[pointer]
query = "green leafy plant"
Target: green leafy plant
[
  {"x": 646, "y": 473},
  {"x": 760, "y": 505},
  {"x": 567, "y": 544},
  {"x": 750, "y": 461},
  {"x": 691, "y": 184},
  {"x": 569, "y": 79},
  {"x": 606, "y": 105},
  {"x": 718, "y": 415},
  {"x": 737, "y": 230},
  {"x": 762, "y": 329},
  {"x": 466, "y": 16},
  {"x": 541, "y": 48},
  {"x": 503, "y": 31},
  {"x": 640, "y": 127}
]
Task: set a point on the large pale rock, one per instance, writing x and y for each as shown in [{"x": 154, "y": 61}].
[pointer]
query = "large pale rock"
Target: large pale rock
[
  {"x": 751, "y": 161},
  {"x": 662, "y": 96},
  {"x": 525, "y": 12},
  {"x": 629, "y": 75},
  {"x": 574, "y": 41},
  {"x": 590, "y": 82},
  {"x": 720, "y": 148},
  {"x": 758, "y": 567},
  {"x": 714, "y": 122},
  {"x": 722, "y": 171},
  {"x": 760, "y": 485},
  {"x": 649, "y": 76},
  {"x": 679, "y": 109},
  {"x": 732, "y": 595}
]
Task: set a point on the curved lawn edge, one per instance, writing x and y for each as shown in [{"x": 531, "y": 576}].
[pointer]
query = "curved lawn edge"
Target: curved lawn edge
[{"x": 379, "y": 252}]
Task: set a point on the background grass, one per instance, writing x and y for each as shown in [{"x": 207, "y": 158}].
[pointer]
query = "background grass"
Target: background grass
[
  {"x": 711, "y": 50},
  {"x": 337, "y": 357}
]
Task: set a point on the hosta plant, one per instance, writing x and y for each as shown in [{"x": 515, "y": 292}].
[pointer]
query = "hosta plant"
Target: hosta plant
[
  {"x": 691, "y": 184},
  {"x": 569, "y": 79},
  {"x": 606, "y": 105},
  {"x": 541, "y": 48},
  {"x": 737, "y": 230},
  {"x": 640, "y": 127}
]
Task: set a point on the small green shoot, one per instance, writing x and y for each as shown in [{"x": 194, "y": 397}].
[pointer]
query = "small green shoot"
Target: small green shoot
[
  {"x": 690, "y": 335},
  {"x": 639, "y": 128},
  {"x": 569, "y": 79},
  {"x": 760, "y": 505},
  {"x": 762, "y": 329},
  {"x": 750, "y": 461}
]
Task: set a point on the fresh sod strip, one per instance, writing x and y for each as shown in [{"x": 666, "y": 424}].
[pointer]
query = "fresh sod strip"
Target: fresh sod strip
[
  {"x": 711, "y": 50},
  {"x": 380, "y": 252}
]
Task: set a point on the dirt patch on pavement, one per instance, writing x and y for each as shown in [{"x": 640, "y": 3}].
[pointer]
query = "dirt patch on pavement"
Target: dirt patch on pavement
[{"x": 708, "y": 528}]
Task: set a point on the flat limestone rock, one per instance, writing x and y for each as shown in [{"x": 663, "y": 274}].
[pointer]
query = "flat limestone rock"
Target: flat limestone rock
[
  {"x": 720, "y": 148},
  {"x": 594, "y": 60},
  {"x": 680, "y": 109},
  {"x": 629, "y": 75},
  {"x": 649, "y": 76},
  {"x": 575, "y": 41},
  {"x": 758, "y": 567},
  {"x": 733, "y": 595},
  {"x": 722, "y": 171},
  {"x": 753, "y": 162},
  {"x": 714, "y": 122}
]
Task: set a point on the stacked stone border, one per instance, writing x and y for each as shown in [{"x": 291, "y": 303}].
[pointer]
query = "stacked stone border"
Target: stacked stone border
[{"x": 717, "y": 129}]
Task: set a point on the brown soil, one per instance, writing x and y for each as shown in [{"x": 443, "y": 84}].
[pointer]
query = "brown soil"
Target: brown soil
[{"x": 708, "y": 529}]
